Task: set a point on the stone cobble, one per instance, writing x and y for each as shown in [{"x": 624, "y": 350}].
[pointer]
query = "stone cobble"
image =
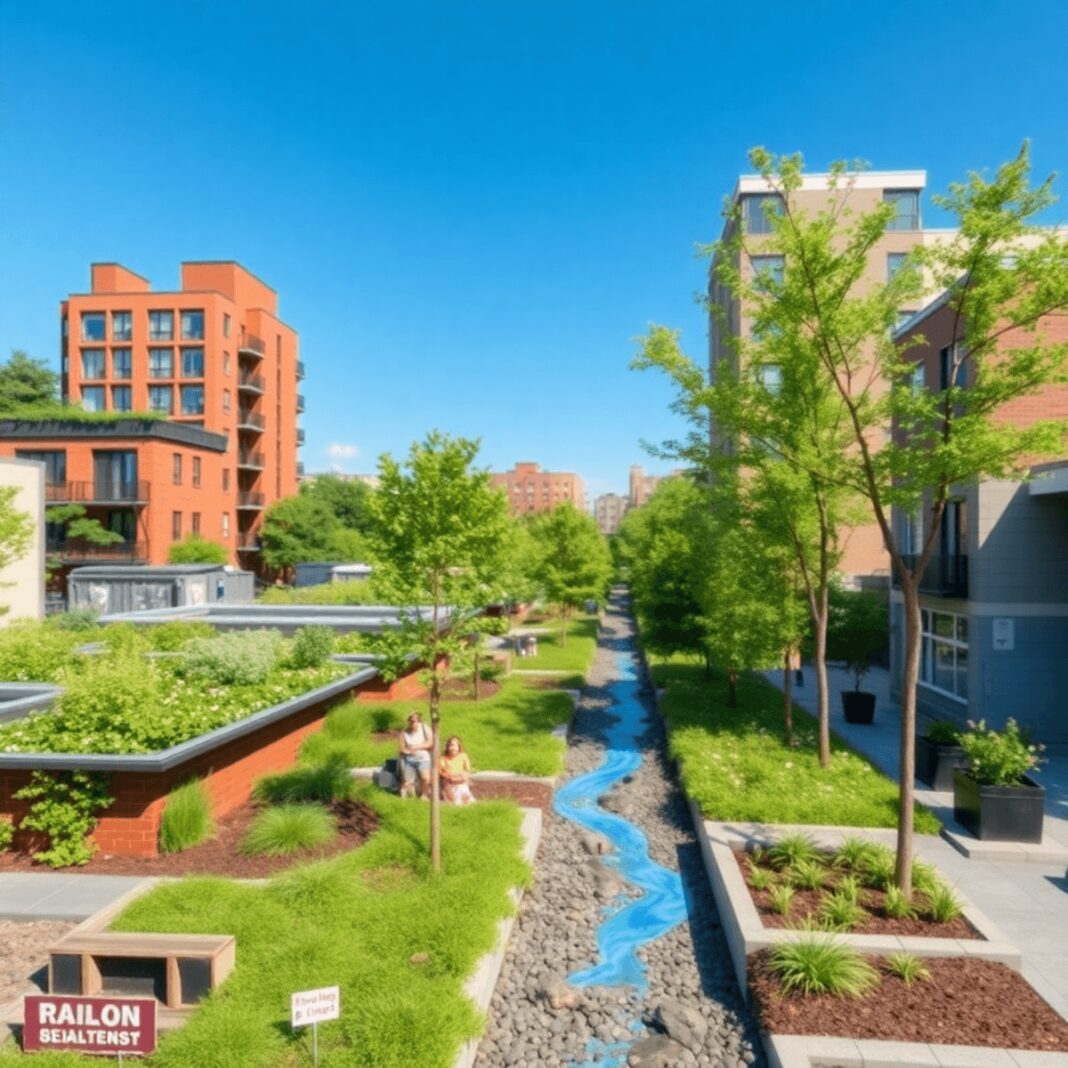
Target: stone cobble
[{"x": 692, "y": 1012}]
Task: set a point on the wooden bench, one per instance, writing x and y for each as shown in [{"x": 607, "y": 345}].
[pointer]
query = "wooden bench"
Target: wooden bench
[{"x": 177, "y": 969}]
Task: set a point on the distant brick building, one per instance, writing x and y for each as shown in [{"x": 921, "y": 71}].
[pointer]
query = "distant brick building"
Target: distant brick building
[
  {"x": 609, "y": 510},
  {"x": 642, "y": 486},
  {"x": 529, "y": 489}
]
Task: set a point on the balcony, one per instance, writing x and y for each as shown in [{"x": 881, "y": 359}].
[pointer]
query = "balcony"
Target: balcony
[
  {"x": 250, "y": 461},
  {"x": 300, "y": 368},
  {"x": 250, "y": 382},
  {"x": 248, "y": 420},
  {"x": 251, "y": 346},
  {"x": 944, "y": 576},
  {"x": 248, "y": 543},
  {"x": 100, "y": 491},
  {"x": 300, "y": 402},
  {"x": 78, "y": 549},
  {"x": 249, "y": 500},
  {"x": 300, "y": 470},
  {"x": 300, "y": 435}
]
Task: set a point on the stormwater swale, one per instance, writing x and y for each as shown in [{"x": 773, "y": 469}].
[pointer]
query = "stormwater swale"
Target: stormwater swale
[{"x": 662, "y": 904}]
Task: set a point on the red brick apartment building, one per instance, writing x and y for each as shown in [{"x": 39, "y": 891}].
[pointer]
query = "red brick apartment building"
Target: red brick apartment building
[
  {"x": 214, "y": 359},
  {"x": 529, "y": 489}
]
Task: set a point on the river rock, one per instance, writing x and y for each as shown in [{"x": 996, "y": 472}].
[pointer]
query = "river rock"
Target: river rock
[
  {"x": 656, "y": 1051},
  {"x": 595, "y": 844},
  {"x": 682, "y": 1023},
  {"x": 558, "y": 994}
]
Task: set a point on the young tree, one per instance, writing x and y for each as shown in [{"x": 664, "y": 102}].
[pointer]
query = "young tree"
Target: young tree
[
  {"x": 438, "y": 533},
  {"x": 296, "y": 530},
  {"x": 16, "y": 531},
  {"x": 349, "y": 501},
  {"x": 193, "y": 549},
  {"x": 574, "y": 564},
  {"x": 25, "y": 382}
]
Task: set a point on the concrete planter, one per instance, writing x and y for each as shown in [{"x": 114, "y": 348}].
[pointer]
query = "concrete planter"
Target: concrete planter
[
  {"x": 999, "y": 813},
  {"x": 936, "y": 762},
  {"x": 858, "y": 706}
]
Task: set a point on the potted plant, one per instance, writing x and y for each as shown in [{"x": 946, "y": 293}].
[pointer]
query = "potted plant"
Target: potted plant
[
  {"x": 939, "y": 754},
  {"x": 993, "y": 796},
  {"x": 857, "y": 632}
]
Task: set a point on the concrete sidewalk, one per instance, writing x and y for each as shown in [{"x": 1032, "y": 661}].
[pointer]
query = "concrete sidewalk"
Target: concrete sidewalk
[
  {"x": 56, "y": 896},
  {"x": 1028, "y": 901}
]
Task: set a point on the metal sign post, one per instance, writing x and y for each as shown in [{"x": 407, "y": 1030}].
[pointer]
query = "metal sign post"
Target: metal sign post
[{"x": 312, "y": 1007}]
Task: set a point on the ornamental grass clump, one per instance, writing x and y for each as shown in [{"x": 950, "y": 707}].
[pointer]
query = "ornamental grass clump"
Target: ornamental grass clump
[
  {"x": 907, "y": 967},
  {"x": 330, "y": 781},
  {"x": 879, "y": 868},
  {"x": 792, "y": 848},
  {"x": 283, "y": 830},
  {"x": 311, "y": 646},
  {"x": 822, "y": 966},
  {"x": 839, "y": 912},
  {"x": 7, "y": 832},
  {"x": 897, "y": 906},
  {"x": 186, "y": 819},
  {"x": 760, "y": 878},
  {"x": 238, "y": 658},
  {"x": 942, "y": 904},
  {"x": 852, "y": 853},
  {"x": 849, "y": 887},
  {"x": 999, "y": 758},
  {"x": 782, "y": 897},
  {"x": 805, "y": 874}
]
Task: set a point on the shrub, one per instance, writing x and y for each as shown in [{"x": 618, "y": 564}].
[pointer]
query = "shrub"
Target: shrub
[
  {"x": 852, "y": 853},
  {"x": 791, "y": 848},
  {"x": 849, "y": 887},
  {"x": 760, "y": 878},
  {"x": 239, "y": 658},
  {"x": 35, "y": 652},
  {"x": 942, "y": 732},
  {"x": 285, "y": 829},
  {"x": 170, "y": 637},
  {"x": 7, "y": 832},
  {"x": 942, "y": 904},
  {"x": 186, "y": 818},
  {"x": 897, "y": 906},
  {"x": 311, "y": 646},
  {"x": 64, "y": 806},
  {"x": 77, "y": 619},
  {"x": 907, "y": 967},
  {"x": 782, "y": 897},
  {"x": 840, "y": 912},
  {"x": 104, "y": 695},
  {"x": 805, "y": 874},
  {"x": 822, "y": 966},
  {"x": 331, "y": 781},
  {"x": 879, "y": 867},
  {"x": 998, "y": 758},
  {"x": 193, "y": 549}
]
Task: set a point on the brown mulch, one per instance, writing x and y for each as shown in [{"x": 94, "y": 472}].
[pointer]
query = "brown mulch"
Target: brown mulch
[
  {"x": 356, "y": 822},
  {"x": 965, "y": 1003},
  {"x": 807, "y": 902},
  {"x": 24, "y": 955},
  {"x": 527, "y": 794}
]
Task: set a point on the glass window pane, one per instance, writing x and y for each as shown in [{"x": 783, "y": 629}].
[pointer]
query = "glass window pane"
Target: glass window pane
[
  {"x": 943, "y": 625},
  {"x": 92, "y": 363},
  {"x": 161, "y": 363},
  {"x": 894, "y": 262},
  {"x": 161, "y": 326},
  {"x": 121, "y": 363},
  {"x": 93, "y": 327},
  {"x": 192, "y": 325},
  {"x": 160, "y": 399},
  {"x": 962, "y": 672},
  {"x": 192, "y": 400},
  {"x": 944, "y": 674},
  {"x": 962, "y": 628},
  {"x": 93, "y": 398},
  {"x": 121, "y": 398},
  {"x": 121, "y": 326},
  {"x": 192, "y": 363},
  {"x": 767, "y": 270},
  {"x": 925, "y": 616},
  {"x": 757, "y": 208}
]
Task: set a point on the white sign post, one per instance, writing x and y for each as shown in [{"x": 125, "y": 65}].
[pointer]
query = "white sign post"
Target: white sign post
[{"x": 314, "y": 1007}]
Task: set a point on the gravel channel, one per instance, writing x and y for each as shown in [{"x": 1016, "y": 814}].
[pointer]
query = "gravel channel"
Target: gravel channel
[{"x": 692, "y": 1012}]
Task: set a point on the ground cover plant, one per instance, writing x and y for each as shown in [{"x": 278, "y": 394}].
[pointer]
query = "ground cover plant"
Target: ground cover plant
[
  {"x": 357, "y": 591},
  {"x": 282, "y": 830},
  {"x": 186, "y": 819},
  {"x": 553, "y": 655},
  {"x": 510, "y": 731},
  {"x": 736, "y": 766},
  {"x": 397, "y": 940}
]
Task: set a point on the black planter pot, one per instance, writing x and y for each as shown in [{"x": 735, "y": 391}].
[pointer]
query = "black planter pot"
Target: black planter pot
[
  {"x": 858, "y": 706},
  {"x": 999, "y": 813},
  {"x": 936, "y": 762}
]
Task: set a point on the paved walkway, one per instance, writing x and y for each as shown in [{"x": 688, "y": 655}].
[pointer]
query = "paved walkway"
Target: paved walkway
[
  {"x": 56, "y": 896},
  {"x": 1028, "y": 901}
]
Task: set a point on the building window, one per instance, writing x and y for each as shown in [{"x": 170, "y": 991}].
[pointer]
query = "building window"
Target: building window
[
  {"x": 226, "y": 479},
  {"x": 227, "y": 325},
  {"x": 894, "y": 262},
  {"x": 771, "y": 377},
  {"x": 94, "y": 326},
  {"x": 767, "y": 270},
  {"x": 196, "y": 472},
  {"x": 226, "y": 524},
  {"x": 192, "y": 326},
  {"x": 55, "y": 462},
  {"x": 192, "y": 363},
  {"x": 944, "y": 653},
  {"x": 192, "y": 400},
  {"x": 161, "y": 399},
  {"x": 226, "y": 400},
  {"x": 176, "y": 469},
  {"x": 919, "y": 379},
  {"x": 121, "y": 363},
  {"x": 121, "y": 399},
  {"x": 906, "y": 208},
  {"x": 92, "y": 363},
  {"x": 121, "y": 326},
  {"x": 226, "y": 363},
  {"x": 161, "y": 363},
  {"x": 945, "y": 369},
  {"x": 161, "y": 326},
  {"x": 758, "y": 208},
  {"x": 176, "y": 526},
  {"x": 195, "y": 522},
  {"x": 93, "y": 398}
]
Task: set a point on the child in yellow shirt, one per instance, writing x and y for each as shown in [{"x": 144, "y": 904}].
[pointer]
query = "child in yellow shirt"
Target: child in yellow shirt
[{"x": 455, "y": 773}]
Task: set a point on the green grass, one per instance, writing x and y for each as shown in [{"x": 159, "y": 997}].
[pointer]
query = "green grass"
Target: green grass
[
  {"x": 736, "y": 766},
  {"x": 357, "y": 591},
  {"x": 186, "y": 819},
  {"x": 576, "y": 655},
  {"x": 282, "y": 830},
  {"x": 507, "y": 732},
  {"x": 354, "y": 921}
]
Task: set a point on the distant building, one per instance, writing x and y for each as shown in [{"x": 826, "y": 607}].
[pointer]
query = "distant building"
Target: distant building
[
  {"x": 609, "y": 510},
  {"x": 529, "y": 489},
  {"x": 22, "y": 581},
  {"x": 642, "y": 486}
]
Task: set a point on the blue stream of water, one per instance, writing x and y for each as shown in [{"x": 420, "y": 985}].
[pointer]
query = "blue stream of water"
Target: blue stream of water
[{"x": 662, "y": 905}]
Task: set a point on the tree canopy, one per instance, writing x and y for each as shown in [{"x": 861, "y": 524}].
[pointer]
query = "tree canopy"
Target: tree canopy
[
  {"x": 25, "y": 381},
  {"x": 193, "y": 549}
]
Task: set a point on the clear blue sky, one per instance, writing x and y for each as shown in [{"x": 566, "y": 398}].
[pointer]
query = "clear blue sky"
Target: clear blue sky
[{"x": 470, "y": 208}]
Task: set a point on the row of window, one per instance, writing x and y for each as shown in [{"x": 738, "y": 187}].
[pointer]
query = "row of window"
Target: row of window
[
  {"x": 160, "y": 325},
  {"x": 194, "y": 525},
  {"x": 759, "y": 208},
  {"x": 944, "y": 653},
  {"x": 769, "y": 269},
  {"x": 160, "y": 399},
  {"x": 160, "y": 363}
]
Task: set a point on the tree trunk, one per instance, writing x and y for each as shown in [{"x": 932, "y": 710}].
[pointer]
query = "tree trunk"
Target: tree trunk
[
  {"x": 435, "y": 789},
  {"x": 823, "y": 704},
  {"x": 910, "y": 675},
  {"x": 563, "y": 629},
  {"x": 732, "y": 688},
  {"x": 476, "y": 676},
  {"x": 788, "y": 698}
]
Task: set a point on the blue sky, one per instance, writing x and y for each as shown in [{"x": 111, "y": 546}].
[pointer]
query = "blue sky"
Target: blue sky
[{"x": 470, "y": 208}]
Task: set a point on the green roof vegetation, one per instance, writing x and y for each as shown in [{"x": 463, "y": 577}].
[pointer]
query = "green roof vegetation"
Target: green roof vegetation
[{"x": 71, "y": 413}]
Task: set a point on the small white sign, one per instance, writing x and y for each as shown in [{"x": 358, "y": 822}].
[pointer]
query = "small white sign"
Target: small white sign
[
  {"x": 314, "y": 1006},
  {"x": 1004, "y": 634}
]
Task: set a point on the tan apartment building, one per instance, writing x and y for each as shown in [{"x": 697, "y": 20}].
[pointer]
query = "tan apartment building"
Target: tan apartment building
[
  {"x": 609, "y": 510},
  {"x": 529, "y": 489},
  {"x": 865, "y": 554},
  {"x": 22, "y": 582}
]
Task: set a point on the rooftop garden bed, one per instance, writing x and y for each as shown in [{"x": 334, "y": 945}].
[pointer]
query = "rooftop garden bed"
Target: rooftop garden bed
[
  {"x": 574, "y": 655},
  {"x": 356, "y": 591},
  {"x": 735, "y": 765}
]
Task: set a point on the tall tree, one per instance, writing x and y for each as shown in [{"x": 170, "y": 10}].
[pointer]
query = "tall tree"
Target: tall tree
[
  {"x": 350, "y": 501},
  {"x": 193, "y": 549},
  {"x": 25, "y": 382},
  {"x": 296, "y": 530},
  {"x": 16, "y": 531},
  {"x": 438, "y": 534}
]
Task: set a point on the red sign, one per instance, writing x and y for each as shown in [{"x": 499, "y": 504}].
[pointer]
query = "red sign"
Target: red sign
[{"x": 89, "y": 1025}]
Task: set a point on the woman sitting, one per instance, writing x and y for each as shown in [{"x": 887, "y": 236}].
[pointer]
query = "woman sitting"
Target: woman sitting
[{"x": 454, "y": 771}]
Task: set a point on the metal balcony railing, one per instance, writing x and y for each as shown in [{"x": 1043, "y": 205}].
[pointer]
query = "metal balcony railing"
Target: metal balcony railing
[
  {"x": 248, "y": 543},
  {"x": 253, "y": 346},
  {"x": 99, "y": 491},
  {"x": 300, "y": 402},
  {"x": 249, "y": 499},
  {"x": 300, "y": 368},
  {"x": 300, "y": 469},
  {"x": 300, "y": 435},
  {"x": 944, "y": 576},
  {"x": 80, "y": 549},
  {"x": 247, "y": 420},
  {"x": 250, "y": 382},
  {"x": 247, "y": 458}
]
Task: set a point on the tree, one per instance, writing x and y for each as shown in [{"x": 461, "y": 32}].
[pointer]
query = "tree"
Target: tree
[
  {"x": 25, "y": 381},
  {"x": 76, "y": 525},
  {"x": 1000, "y": 275},
  {"x": 573, "y": 561},
  {"x": 349, "y": 501},
  {"x": 297, "y": 530},
  {"x": 193, "y": 549},
  {"x": 438, "y": 531},
  {"x": 16, "y": 531}
]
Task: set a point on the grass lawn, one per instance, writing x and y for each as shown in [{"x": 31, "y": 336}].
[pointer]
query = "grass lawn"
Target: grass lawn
[
  {"x": 736, "y": 767},
  {"x": 507, "y": 732},
  {"x": 576, "y": 655},
  {"x": 354, "y": 921}
]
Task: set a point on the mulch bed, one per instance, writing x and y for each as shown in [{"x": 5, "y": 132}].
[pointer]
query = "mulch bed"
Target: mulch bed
[
  {"x": 526, "y": 794},
  {"x": 356, "y": 822},
  {"x": 24, "y": 955},
  {"x": 807, "y": 902},
  {"x": 965, "y": 1003}
]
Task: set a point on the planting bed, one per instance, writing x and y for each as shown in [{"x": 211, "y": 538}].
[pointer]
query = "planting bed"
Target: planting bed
[
  {"x": 24, "y": 954},
  {"x": 523, "y": 792},
  {"x": 221, "y": 855},
  {"x": 965, "y": 1002}
]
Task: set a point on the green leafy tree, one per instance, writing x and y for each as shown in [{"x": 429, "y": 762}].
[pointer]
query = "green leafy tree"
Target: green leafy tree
[
  {"x": 297, "y": 530},
  {"x": 26, "y": 381},
  {"x": 574, "y": 563},
  {"x": 193, "y": 549},
  {"x": 16, "y": 531},
  {"x": 438, "y": 534},
  {"x": 77, "y": 525},
  {"x": 349, "y": 501}
]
